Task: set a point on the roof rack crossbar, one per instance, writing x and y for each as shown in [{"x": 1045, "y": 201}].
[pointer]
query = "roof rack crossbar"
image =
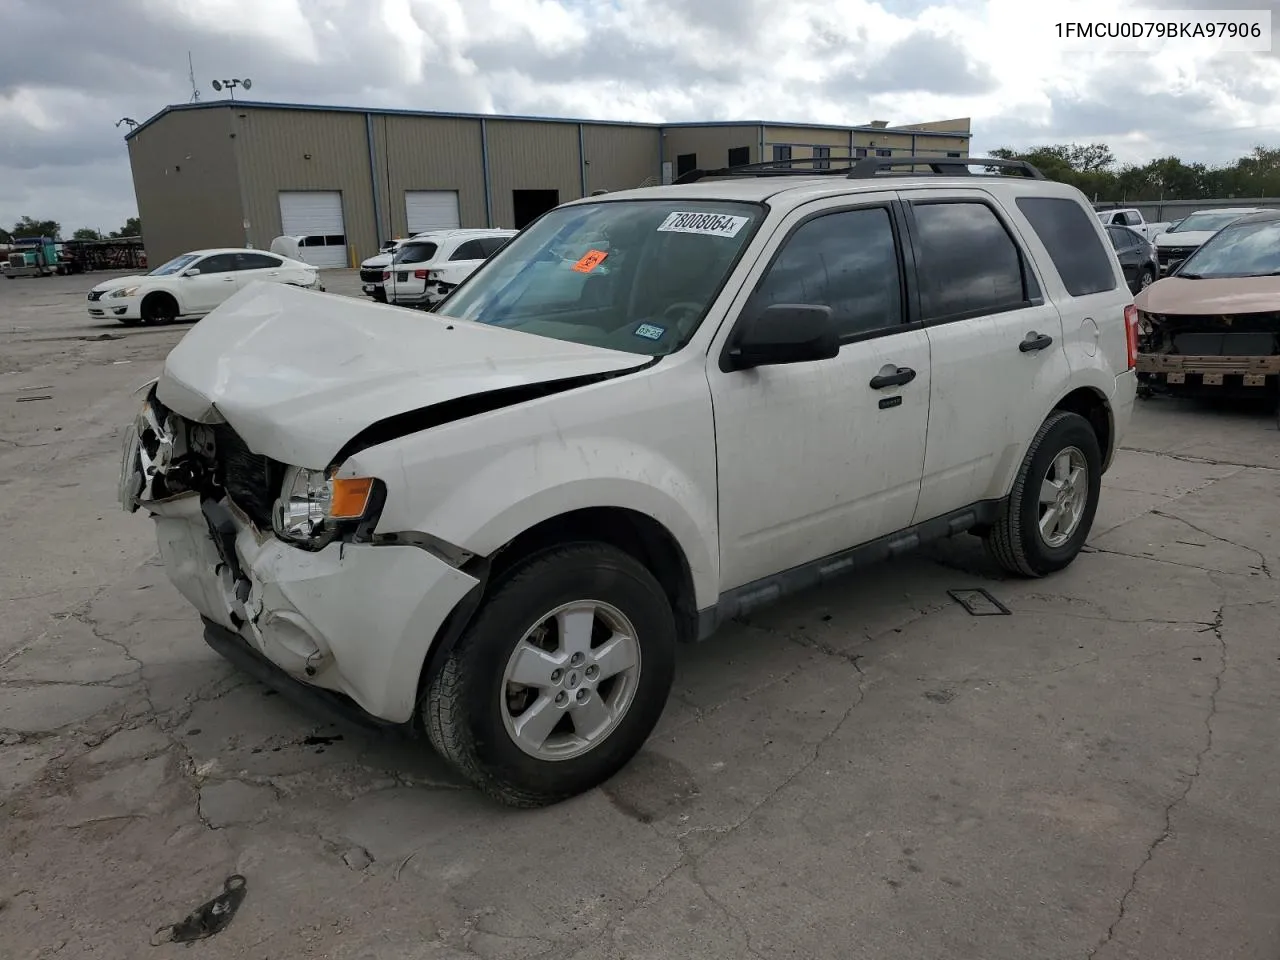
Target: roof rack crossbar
[{"x": 950, "y": 166}]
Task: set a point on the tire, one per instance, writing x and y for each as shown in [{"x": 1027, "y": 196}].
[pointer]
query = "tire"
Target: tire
[
  {"x": 1015, "y": 541},
  {"x": 470, "y": 712},
  {"x": 159, "y": 309},
  {"x": 1146, "y": 278}
]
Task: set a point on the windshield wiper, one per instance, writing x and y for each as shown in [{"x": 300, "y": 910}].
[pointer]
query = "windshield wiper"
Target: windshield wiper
[{"x": 1189, "y": 276}]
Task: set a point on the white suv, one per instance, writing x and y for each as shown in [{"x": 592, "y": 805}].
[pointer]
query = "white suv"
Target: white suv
[
  {"x": 427, "y": 267},
  {"x": 650, "y": 412}
]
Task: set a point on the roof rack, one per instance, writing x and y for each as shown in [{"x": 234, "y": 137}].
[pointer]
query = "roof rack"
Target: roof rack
[
  {"x": 768, "y": 168},
  {"x": 950, "y": 167}
]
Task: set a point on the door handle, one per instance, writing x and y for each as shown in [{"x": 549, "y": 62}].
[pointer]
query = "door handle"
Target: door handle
[
  {"x": 900, "y": 376},
  {"x": 228, "y": 279},
  {"x": 1035, "y": 341}
]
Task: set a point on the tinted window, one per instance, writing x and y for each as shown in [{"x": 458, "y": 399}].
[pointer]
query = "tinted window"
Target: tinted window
[
  {"x": 1132, "y": 219},
  {"x": 1064, "y": 228},
  {"x": 846, "y": 261},
  {"x": 968, "y": 263},
  {"x": 416, "y": 252},
  {"x": 468, "y": 250},
  {"x": 256, "y": 261},
  {"x": 218, "y": 263},
  {"x": 491, "y": 245}
]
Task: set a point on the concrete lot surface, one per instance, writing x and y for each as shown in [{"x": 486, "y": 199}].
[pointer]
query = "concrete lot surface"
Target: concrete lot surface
[{"x": 866, "y": 771}]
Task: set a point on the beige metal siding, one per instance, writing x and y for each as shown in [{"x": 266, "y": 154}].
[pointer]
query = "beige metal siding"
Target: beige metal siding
[
  {"x": 807, "y": 137},
  {"x": 960, "y": 125},
  {"x": 710, "y": 144},
  {"x": 184, "y": 179},
  {"x": 305, "y": 150},
  {"x": 619, "y": 158},
  {"x": 528, "y": 155},
  {"x": 428, "y": 153}
]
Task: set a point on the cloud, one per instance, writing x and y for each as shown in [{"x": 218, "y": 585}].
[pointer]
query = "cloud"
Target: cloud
[{"x": 69, "y": 71}]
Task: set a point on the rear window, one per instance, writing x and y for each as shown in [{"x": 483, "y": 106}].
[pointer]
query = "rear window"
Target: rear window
[
  {"x": 416, "y": 253},
  {"x": 1072, "y": 240}
]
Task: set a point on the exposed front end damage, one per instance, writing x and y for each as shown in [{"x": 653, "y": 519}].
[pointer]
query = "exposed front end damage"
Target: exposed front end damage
[
  {"x": 346, "y": 614},
  {"x": 1206, "y": 354}
]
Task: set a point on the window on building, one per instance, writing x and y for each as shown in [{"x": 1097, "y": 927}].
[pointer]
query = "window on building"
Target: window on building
[
  {"x": 953, "y": 154},
  {"x": 822, "y": 158},
  {"x": 1064, "y": 228},
  {"x": 847, "y": 261},
  {"x": 969, "y": 265},
  {"x": 739, "y": 156},
  {"x": 686, "y": 163},
  {"x": 782, "y": 154},
  {"x": 883, "y": 152},
  {"x": 859, "y": 152}
]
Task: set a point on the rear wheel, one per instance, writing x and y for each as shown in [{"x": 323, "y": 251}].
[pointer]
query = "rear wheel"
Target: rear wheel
[
  {"x": 1048, "y": 514},
  {"x": 159, "y": 308},
  {"x": 1146, "y": 278},
  {"x": 559, "y": 680}
]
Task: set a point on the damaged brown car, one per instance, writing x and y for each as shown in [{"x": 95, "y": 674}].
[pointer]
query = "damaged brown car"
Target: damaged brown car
[{"x": 1213, "y": 325}]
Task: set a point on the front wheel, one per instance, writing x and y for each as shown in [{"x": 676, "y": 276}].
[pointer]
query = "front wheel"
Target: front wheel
[
  {"x": 1146, "y": 278},
  {"x": 559, "y": 680},
  {"x": 1048, "y": 514}
]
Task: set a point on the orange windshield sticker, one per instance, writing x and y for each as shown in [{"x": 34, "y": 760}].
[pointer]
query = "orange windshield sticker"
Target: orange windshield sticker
[{"x": 590, "y": 261}]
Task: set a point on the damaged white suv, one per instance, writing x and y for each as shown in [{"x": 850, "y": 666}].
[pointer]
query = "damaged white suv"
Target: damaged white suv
[{"x": 649, "y": 412}]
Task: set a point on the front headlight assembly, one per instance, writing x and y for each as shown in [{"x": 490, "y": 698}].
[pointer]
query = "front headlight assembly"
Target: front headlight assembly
[
  {"x": 123, "y": 292},
  {"x": 315, "y": 508}
]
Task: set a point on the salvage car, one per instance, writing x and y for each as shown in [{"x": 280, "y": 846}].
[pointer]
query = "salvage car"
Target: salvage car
[
  {"x": 1213, "y": 326},
  {"x": 425, "y": 269},
  {"x": 191, "y": 285},
  {"x": 493, "y": 523}
]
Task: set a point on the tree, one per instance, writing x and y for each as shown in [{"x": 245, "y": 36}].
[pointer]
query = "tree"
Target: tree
[
  {"x": 27, "y": 227},
  {"x": 86, "y": 233},
  {"x": 132, "y": 228},
  {"x": 4, "y": 235}
]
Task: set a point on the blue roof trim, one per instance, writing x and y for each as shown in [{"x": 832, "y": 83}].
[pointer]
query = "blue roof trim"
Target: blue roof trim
[{"x": 392, "y": 112}]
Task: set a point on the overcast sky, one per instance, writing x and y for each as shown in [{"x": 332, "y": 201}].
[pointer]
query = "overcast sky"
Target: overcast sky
[{"x": 69, "y": 70}]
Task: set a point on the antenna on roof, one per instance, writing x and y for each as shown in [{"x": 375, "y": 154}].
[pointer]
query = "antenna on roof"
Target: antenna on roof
[{"x": 191, "y": 74}]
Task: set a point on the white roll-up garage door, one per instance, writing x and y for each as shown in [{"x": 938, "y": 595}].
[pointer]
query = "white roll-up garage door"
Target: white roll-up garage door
[
  {"x": 432, "y": 210},
  {"x": 315, "y": 215}
]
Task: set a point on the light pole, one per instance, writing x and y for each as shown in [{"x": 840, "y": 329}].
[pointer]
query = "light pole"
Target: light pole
[{"x": 230, "y": 85}]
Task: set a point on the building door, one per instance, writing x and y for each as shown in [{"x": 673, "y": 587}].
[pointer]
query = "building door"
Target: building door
[
  {"x": 317, "y": 216},
  {"x": 431, "y": 210},
  {"x": 529, "y": 205}
]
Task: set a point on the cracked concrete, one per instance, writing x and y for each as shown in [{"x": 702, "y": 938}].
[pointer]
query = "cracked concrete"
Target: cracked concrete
[{"x": 863, "y": 771}]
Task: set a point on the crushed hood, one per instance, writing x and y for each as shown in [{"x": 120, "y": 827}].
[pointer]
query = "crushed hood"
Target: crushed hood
[
  {"x": 1176, "y": 295},
  {"x": 297, "y": 374}
]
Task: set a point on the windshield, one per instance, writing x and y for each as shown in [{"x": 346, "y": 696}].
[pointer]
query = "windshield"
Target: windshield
[
  {"x": 415, "y": 252},
  {"x": 1240, "y": 250},
  {"x": 176, "y": 265},
  {"x": 631, "y": 275},
  {"x": 1205, "y": 222}
]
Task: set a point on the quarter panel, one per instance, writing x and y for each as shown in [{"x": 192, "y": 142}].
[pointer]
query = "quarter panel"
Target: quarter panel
[{"x": 642, "y": 441}]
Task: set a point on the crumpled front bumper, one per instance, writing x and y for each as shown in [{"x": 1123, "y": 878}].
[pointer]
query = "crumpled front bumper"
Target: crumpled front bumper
[{"x": 355, "y": 618}]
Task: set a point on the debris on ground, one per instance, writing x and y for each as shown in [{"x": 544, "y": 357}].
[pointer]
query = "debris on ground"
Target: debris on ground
[
  {"x": 979, "y": 603},
  {"x": 208, "y": 919}
]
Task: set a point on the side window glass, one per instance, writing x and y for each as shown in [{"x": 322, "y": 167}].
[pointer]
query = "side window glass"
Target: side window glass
[
  {"x": 847, "y": 261},
  {"x": 218, "y": 263},
  {"x": 968, "y": 262},
  {"x": 256, "y": 261},
  {"x": 1072, "y": 241},
  {"x": 492, "y": 245},
  {"x": 470, "y": 250},
  {"x": 1131, "y": 219}
]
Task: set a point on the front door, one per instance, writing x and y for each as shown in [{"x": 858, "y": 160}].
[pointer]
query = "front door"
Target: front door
[
  {"x": 216, "y": 282},
  {"x": 997, "y": 347},
  {"x": 812, "y": 457}
]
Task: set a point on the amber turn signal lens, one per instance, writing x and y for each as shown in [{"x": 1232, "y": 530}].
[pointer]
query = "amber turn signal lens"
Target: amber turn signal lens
[{"x": 350, "y": 497}]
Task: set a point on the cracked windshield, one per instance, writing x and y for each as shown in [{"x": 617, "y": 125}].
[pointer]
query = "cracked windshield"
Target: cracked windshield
[{"x": 642, "y": 480}]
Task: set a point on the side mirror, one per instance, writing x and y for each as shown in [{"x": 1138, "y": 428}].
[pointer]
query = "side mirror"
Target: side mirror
[
  {"x": 191, "y": 272},
  {"x": 783, "y": 333}
]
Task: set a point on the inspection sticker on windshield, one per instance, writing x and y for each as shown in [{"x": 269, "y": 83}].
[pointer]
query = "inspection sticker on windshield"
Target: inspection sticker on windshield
[
  {"x": 715, "y": 224},
  {"x": 650, "y": 331},
  {"x": 590, "y": 260}
]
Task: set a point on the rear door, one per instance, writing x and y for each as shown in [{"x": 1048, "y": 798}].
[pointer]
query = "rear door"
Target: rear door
[
  {"x": 260, "y": 266},
  {"x": 996, "y": 345}
]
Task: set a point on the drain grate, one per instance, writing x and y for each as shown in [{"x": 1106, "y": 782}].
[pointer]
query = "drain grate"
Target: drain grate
[{"x": 979, "y": 603}]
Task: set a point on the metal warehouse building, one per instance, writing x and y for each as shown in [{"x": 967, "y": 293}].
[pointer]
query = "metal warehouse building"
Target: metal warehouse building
[{"x": 234, "y": 173}]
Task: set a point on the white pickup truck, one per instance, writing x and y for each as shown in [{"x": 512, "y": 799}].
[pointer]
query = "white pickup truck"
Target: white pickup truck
[{"x": 1134, "y": 220}]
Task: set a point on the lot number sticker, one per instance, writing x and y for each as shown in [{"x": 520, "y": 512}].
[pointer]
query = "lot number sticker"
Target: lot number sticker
[
  {"x": 712, "y": 224},
  {"x": 590, "y": 260}
]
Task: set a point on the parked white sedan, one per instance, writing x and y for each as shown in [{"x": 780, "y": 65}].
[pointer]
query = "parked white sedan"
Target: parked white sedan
[{"x": 193, "y": 284}]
